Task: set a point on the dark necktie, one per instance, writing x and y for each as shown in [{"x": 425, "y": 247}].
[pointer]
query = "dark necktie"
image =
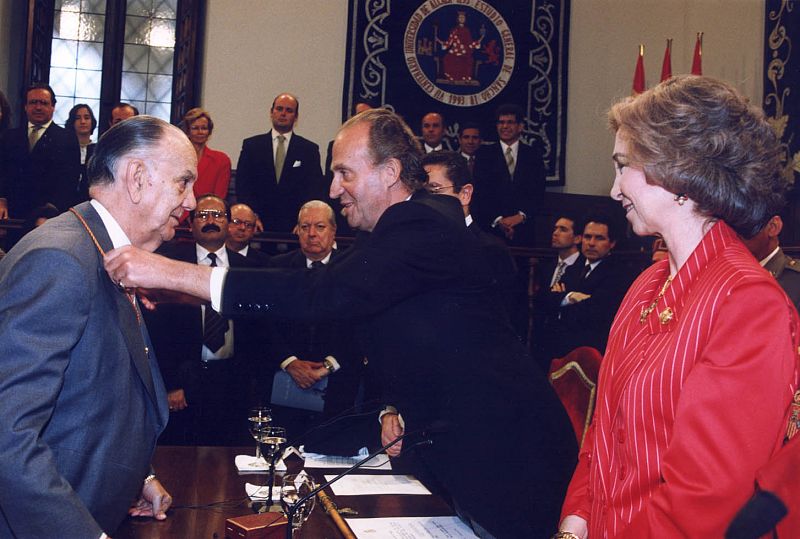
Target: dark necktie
[
  {"x": 587, "y": 269},
  {"x": 214, "y": 326},
  {"x": 316, "y": 264},
  {"x": 471, "y": 166}
]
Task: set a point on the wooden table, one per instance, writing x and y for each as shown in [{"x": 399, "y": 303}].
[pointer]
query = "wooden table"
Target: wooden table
[{"x": 199, "y": 476}]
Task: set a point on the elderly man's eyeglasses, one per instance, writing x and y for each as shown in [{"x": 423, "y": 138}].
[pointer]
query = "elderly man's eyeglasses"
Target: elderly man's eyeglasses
[
  {"x": 240, "y": 222},
  {"x": 205, "y": 215},
  {"x": 438, "y": 189}
]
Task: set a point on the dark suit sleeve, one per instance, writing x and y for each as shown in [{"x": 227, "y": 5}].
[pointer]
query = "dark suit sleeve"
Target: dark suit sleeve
[
  {"x": 245, "y": 174},
  {"x": 317, "y": 187},
  {"x": 35, "y": 499},
  {"x": 405, "y": 259},
  {"x": 529, "y": 187}
]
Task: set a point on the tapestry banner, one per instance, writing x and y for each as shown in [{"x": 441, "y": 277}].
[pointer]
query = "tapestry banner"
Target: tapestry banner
[{"x": 464, "y": 58}]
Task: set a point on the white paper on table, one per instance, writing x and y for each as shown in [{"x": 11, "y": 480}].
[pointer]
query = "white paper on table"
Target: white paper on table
[
  {"x": 362, "y": 485},
  {"x": 249, "y": 463},
  {"x": 378, "y": 462},
  {"x": 261, "y": 492},
  {"x": 410, "y": 528}
]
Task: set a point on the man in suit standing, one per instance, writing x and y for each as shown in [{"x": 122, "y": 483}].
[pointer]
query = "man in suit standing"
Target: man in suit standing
[
  {"x": 588, "y": 296},
  {"x": 309, "y": 352},
  {"x": 765, "y": 246},
  {"x": 81, "y": 398},
  {"x": 241, "y": 229},
  {"x": 432, "y": 126},
  {"x": 510, "y": 177},
  {"x": 280, "y": 170},
  {"x": 469, "y": 142},
  {"x": 204, "y": 357},
  {"x": 39, "y": 163},
  {"x": 420, "y": 290}
]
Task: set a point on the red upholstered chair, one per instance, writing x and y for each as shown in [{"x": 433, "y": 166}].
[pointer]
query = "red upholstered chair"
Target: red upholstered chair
[{"x": 574, "y": 377}]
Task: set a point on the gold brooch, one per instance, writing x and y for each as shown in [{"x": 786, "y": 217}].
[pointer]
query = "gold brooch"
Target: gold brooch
[{"x": 666, "y": 316}]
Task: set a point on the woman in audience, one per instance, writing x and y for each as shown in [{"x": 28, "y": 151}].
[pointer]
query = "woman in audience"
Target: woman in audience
[
  {"x": 82, "y": 120},
  {"x": 701, "y": 363},
  {"x": 5, "y": 113},
  {"x": 213, "y": 167}
]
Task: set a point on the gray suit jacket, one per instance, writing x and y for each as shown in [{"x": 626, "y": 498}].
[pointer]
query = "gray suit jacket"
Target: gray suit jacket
[{"x": 81, "y": 403}]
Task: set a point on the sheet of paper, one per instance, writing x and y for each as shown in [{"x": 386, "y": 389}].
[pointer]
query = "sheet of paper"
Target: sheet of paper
[
  {"x": 378, "y": 462},
  {"x": 410, "y": 528},
  {"x": 363, "y": 485}
]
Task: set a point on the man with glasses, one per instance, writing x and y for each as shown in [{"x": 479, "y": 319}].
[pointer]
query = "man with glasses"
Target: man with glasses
[
  {"x": 510, "y": 178},
  {"x": 202, "y": 355},
  {"x": 241, "y": 230},
  {"x": 40, "y": 162},
  {"x": 448, "y": 175}
]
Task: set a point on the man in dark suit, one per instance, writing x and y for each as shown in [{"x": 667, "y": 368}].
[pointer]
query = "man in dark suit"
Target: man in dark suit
[
  {"x": 566, "y": 241},
  {"x": 419, "y": 287},
  {"x": 309, "y": 352},
  {"x": 432, "y": 129},
  {"x": 448, "y": 175},
  {"x": 588, "y": 296},
  {"x": 241, "y": 229},
  {"x": 39, "y": 163},
  {"x": 205, "y": 359},
  {"x": 81, "y": 398},
  {"x": 509, "y": 179},
  {"x": 279, "y": 171}
]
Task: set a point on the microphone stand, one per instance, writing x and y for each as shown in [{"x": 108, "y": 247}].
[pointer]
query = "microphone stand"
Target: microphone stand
[{"x": 292, "y": 509}]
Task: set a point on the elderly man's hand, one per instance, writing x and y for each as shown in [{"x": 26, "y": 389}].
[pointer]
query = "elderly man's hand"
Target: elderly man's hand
[
  {"x": 154, "y": 501},
  {"x": 3, "y": 209},
  {"x": 391, "y": 429},
  {"x": 306, "y": 373}
]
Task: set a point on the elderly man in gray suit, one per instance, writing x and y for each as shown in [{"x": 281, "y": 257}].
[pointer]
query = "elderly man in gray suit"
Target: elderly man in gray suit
[{"x": 81, "y": 399}]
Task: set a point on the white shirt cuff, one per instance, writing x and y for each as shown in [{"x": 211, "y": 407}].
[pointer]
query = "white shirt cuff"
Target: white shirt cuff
[
  {"x": 218, "y": 275},
  {"x": 285, "y": 363},
  {"x": 334, "y": 364},
  {"x": 389, "y": 409}
]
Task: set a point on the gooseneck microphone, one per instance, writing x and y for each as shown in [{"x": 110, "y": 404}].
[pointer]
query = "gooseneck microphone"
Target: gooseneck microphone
[{"x": 292, "y": 509}]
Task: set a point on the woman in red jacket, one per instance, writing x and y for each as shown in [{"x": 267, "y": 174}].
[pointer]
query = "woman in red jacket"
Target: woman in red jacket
[
  {"x": 213, "y": 167},
  {"x": 701, "y": 365}
]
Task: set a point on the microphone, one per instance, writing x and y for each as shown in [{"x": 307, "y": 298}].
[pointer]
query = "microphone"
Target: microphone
[{"x": 292, "y": 509}]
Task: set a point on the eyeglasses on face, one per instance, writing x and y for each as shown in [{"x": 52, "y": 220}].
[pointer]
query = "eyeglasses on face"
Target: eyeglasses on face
[
  {"x": 241, "y": 222},
  {"x": 436, "y": 189},
  {"x": 205, "y": 215}
]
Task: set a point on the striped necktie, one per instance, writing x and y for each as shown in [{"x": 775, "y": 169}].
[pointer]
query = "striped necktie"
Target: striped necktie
[{"x": 214, "y": 326}]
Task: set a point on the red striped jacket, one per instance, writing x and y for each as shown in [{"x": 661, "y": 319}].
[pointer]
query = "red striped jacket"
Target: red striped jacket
[{"x": 689, "y": 408}]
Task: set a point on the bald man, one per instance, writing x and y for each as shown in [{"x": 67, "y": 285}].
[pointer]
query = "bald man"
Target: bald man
[{"x": 279, "y": 171}]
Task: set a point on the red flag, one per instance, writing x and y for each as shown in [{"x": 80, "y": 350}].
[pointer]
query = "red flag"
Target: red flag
[
  {"x": 666, "y": 65},
  {"x": 697, "y": 62},
  {"x": 638, "y": 76}
]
